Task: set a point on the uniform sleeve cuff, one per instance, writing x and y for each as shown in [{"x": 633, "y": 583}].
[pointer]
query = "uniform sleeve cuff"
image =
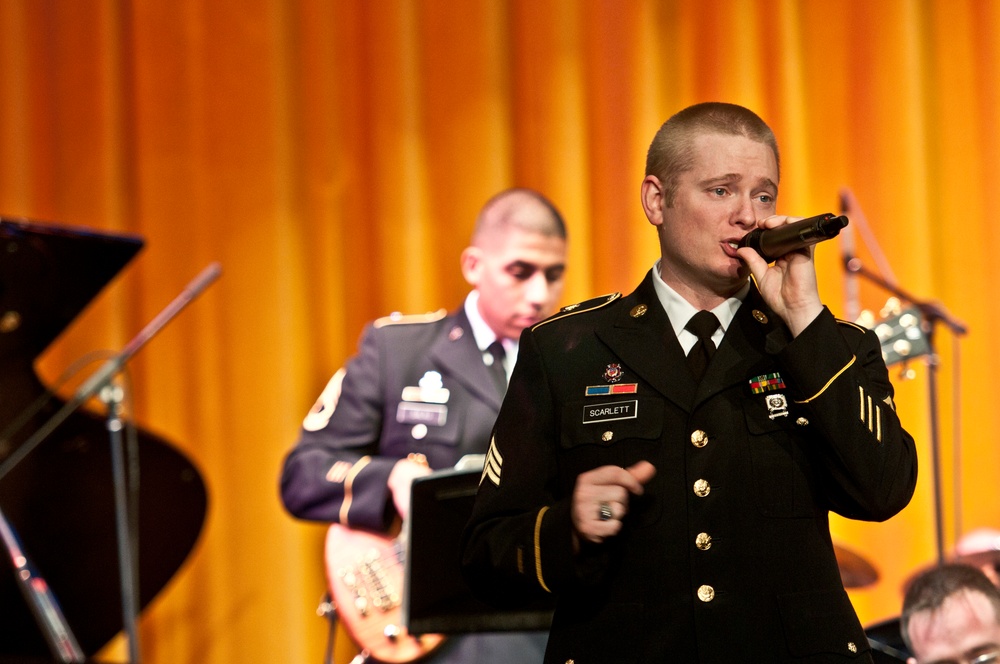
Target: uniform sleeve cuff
[
  {"x": 560, "y": 566},
  {"x": 375, "y": 510}
]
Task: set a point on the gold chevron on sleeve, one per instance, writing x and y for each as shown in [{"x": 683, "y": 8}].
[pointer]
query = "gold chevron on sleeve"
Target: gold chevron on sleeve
[
  {"x": 871, "y": 413},
  {"x": 338, "y": 472},
  {"x": 493, "y": 464}
]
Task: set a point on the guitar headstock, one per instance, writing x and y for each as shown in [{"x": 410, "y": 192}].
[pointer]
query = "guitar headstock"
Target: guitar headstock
[{"x": 901, "y": 332}]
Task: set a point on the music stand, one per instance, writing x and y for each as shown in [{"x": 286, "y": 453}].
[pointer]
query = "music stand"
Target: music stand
[{"x": 436, "y": 599}]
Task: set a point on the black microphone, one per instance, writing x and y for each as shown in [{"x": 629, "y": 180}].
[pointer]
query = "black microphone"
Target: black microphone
[{"x": 772, "y": 243}]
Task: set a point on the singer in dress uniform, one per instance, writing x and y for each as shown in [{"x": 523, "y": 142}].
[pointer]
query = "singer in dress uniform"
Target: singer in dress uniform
[
  {"x": 676, "y": 504},
  {"x": 727, "y": 555}
]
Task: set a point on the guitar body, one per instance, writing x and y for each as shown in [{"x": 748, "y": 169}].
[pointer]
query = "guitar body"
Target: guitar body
[{"x": 364, "y": 572}]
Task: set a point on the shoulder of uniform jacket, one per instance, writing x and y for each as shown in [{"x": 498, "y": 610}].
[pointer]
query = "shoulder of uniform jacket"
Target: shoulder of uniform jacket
[
  {"x": 397, "y": 318},
  {"x": 579, "y": 308},
  {"x": 846, "y": 323}
]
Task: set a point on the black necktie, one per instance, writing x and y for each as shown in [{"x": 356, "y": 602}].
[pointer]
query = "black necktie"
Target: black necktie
[
  {"x": 499, "y": 373},
  {"x": 703, "y": 325}
]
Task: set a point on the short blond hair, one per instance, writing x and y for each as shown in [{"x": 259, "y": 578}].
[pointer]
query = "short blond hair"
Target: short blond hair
[{"x": 671, "y": 152}]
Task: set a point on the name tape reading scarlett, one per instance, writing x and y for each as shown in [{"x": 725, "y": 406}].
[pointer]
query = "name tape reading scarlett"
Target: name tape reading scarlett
[{"x": 606, "y": 412}]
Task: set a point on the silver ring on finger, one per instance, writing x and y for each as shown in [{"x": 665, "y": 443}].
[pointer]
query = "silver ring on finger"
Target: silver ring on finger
[{"x": 605, "y": 513}]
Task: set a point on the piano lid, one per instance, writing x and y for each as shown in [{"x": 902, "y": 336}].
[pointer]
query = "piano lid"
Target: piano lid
[
  {"x": 60, "y": 498},
  {"x": 48, "y": 275}
]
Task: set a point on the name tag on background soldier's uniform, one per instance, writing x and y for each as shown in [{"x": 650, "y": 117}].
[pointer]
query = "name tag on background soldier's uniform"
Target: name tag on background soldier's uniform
[{"x": 430, "y": 414}]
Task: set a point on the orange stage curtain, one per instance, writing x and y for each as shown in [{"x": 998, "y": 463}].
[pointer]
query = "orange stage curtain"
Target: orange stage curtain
[{"x": 331, "y": 156}]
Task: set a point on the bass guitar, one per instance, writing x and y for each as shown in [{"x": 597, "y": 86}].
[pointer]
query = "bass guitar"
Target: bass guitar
[{"x": 364, "y": 572}]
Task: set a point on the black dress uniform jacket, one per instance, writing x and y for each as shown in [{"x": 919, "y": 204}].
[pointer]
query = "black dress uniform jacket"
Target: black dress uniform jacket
[
  {"x": 417, "y": 385},
  {"x": 727, "y": 556}
]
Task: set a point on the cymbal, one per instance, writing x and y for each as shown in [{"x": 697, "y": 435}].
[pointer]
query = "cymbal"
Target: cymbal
[{"x": 855, "y": 571}]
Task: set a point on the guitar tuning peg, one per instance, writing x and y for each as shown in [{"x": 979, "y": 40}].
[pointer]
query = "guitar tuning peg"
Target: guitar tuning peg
[
  {"x": 893, "y": 307},
  {"x": 884, "y": 332},
  {"x": 902, "y": 347},
  {"x": 866, "y": 319}
]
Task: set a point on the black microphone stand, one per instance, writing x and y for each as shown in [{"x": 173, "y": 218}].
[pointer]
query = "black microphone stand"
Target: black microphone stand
[
  {"x": 101, "y": 380},
  {"x": 41, "y": 600},
  {"x": 933, "y": 314}
]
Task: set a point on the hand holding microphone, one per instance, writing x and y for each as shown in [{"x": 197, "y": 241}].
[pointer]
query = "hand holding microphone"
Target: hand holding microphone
[
  {"x": 773, "y": 243},
  {"x": 790, "y": 287}
]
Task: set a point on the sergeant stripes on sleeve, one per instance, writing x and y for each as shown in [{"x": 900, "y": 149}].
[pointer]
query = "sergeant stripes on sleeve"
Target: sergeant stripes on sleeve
[
  {"x": 493, "y": 464},
  {"x": 871, "y": 413}
]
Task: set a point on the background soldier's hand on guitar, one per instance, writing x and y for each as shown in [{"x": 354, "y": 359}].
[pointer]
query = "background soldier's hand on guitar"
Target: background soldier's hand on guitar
[{"x": 402, "y": 476}]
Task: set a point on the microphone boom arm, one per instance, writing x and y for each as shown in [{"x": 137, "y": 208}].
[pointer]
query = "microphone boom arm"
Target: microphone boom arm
[{"x": 932, "y": 311}]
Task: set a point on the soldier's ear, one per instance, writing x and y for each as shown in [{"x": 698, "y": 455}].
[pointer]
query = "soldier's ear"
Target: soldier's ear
[
  {"x": 472, "y": 265},
  {"x": 652, "y": 195}
]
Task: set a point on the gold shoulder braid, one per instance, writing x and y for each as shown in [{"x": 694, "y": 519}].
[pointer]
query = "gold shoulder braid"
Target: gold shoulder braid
[
  {"x": 397, "y": 318},
  {"x": 847, "y": 323},
  {"x": 579, "y": 308}
]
